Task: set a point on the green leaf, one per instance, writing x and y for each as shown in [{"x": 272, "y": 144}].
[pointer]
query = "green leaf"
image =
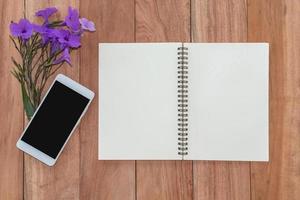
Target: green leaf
[
  {"x": 55, "y": 23},
  {"x": 16, "y": 75},
  {"x": 29, "y": 108},
  {"x": 15, "y": 44},
  {"x": 17, "y": 64}
]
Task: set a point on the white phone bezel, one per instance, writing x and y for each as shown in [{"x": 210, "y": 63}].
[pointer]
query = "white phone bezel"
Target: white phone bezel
[{"x": 27, "y": 148}]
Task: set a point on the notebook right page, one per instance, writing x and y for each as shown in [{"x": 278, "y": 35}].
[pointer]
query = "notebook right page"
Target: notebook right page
[{"x": 228, "y": 101}]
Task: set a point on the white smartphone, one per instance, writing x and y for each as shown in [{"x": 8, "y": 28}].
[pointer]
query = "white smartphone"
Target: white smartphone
[{"x": 55, "y": 119}]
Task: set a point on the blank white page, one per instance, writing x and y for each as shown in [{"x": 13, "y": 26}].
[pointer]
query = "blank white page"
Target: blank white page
[
  {"x": 228, "y": 101},
  {"x": 138, "y": 101}
]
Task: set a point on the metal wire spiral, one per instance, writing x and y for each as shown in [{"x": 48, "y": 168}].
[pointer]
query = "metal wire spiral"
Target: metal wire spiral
[{"x": 182, "y": 100}]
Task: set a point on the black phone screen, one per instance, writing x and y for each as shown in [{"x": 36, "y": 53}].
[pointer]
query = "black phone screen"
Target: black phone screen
[{"x": 55, "y": 119}]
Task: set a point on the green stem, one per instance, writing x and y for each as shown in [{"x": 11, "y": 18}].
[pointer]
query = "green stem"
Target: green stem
[{"x": 46, "y": 64}]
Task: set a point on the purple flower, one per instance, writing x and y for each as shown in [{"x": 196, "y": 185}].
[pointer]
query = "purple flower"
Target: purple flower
[
  {"x": 87, "y": 25},
  {"x": 55, "y": 46},
  {"x": 38, "y": 28},
  {"x": 65, "y": 57},
  {"x": 41, "y": 29},
  {"x": 45, "y": 32},
  {"x": 46, "y": 13},
  {"x": 67, "y": 39},
  {"x": 72, "y": 19},
  {"x": 23, "y": 29}
]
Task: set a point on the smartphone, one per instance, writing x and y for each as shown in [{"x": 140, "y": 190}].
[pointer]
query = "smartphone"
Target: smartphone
[{"x": 55, "y": 119}]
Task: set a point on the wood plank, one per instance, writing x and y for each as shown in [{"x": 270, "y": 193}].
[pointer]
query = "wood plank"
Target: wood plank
[
  {"x": 220, "y": 21},
  {"x": 276, "y": 22},
  {"x": 114, "y": 21},
  {"x": 62, "y": 180},
  {"x": 221, "y": 180},
  {"x": 163, "y": 21},
  {"x": 164, "y": 180},
  {"x": 11, "y": 117}
]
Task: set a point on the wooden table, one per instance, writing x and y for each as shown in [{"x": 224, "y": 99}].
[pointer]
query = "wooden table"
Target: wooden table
[{"x": 79, "y": 175}]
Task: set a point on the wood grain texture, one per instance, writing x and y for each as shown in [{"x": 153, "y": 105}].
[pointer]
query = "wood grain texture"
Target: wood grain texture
[
  {"x": 221, "y": 180},
  {"x": 158, "y": 21},
  {"x": 164, "y": 180},
  {"x": 11, "y": 108},
  {"x": 162, "y": 21},
  {"x": 114, "y": 21},
  {"x": 62, "y": 180},
  {"x": 277, "y": 22},
  {"x": 220, "y": 21}
]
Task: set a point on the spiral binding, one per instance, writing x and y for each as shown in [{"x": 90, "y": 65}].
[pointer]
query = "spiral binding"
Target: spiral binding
[{"x": 182, "y": 53}]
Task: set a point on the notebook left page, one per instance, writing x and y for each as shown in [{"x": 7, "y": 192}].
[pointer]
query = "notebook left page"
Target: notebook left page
[{"x": 138, "y": 101}]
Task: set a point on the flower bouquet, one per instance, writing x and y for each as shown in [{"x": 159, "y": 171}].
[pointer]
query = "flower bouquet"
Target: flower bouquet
[{"x": 43, "y": 49}]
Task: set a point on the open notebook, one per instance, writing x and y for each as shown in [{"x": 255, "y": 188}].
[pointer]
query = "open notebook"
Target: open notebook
[{"x": 190, "y": 101}]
